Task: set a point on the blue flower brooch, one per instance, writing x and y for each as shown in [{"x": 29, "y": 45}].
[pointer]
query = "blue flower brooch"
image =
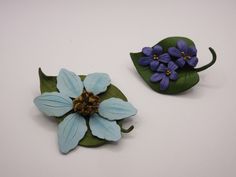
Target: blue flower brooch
[
  {"x": 170, "y": 66},
  {"x": 89, "y": 108}
]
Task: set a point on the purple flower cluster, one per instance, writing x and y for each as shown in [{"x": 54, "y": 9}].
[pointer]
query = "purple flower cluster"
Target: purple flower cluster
[
  {"x": 164, "y": 65},
  {"x": 184, "y": 54},
  {"x": 153, "y": 57}
]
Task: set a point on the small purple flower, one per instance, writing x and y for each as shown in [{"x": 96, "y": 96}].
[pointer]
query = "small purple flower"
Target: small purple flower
[
  {"x": 184, "y": 54},
  {"x": 164, "y": 74},
  {"x": 153, "y": 57}
]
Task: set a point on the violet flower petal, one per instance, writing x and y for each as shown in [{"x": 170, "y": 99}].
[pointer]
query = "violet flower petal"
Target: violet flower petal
[
  {"x": 182, "y": 46},
  {"x": 147, "y": 51},
  {"x": 180, "y": 62},
  {"x": 164, "y": 83},
  {"x": 145, "y": 61},
  {"x": 154, "y": 64},
  {"x": 173, "y": 75},
  {"x": 162, "y": 68},
  {"x": 165, "y": 58},
  {"x": 157, "y": 49},
  {"x": 192, "y": 51},
  {"x": 156, "y": 77},
  {"x": 173, "y": 51},
  {"x": 172, "y": 66},
  {"x": 193, "y": 61}
]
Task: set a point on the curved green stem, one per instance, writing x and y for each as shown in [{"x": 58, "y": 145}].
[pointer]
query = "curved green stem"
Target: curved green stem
[
  {"x": 209, "y": 64},
  {"x": 127, "y": 130}
]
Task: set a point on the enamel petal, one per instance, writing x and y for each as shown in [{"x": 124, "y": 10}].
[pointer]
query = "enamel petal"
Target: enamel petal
[
  {"x": 116, "y": 109},
  {"x": 70, "y": 131},
  {"x": 53, "y": 104},
  {"x": 68, "y": 83},
  {"x": 97, "y": 82},
  {"x": 104, "y": 129}
]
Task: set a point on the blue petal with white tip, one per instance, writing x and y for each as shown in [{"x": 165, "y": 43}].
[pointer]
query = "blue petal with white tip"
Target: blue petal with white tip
[
  {"x": 69, "y": 83},
  {"x": 116, "y": 109},
  {"x": 97, "y": 82},
  {"x": 70, "y": 131},
  {"x": 53, "y": 104},
  {"x": 104, "y": 129}
]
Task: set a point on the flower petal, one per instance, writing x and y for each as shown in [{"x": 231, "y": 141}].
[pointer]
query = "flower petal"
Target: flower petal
[
  {"x": 162, "y": 68},
  {"x": 53, "y": 104},
  {"x": 145, "y": 61},
  {"x": 104, "y": 129},
  {"x": 164, "y": 83},
  {"x": 156, "y": 77},
  {"x": 70, "y": 131},
  {"x": 173, "y": 51},
  {"x": 154, "y": 64},
  {"x": 172, "y": 66},
  {"x": 97, "y": 82},
  {"x": 193, "y": 61},
  {"x": 116, "y": 109},
  {"x": 180, "y": 62},
  {"x": 173, "y": 75},
  {"x": 192, "y": 51},
  {"x": 147, "y": 51},
  {"x": 182, "y": 46},
  {"x": 68, "y": 83},
  {"x": 165, "y": 58},
  {"x": 157, "y": 49}
]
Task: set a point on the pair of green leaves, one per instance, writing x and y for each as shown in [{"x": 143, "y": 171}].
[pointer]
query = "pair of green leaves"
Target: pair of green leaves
[
  {"x": 49, "y": 84},
  {"x": 187, "y": 78}
]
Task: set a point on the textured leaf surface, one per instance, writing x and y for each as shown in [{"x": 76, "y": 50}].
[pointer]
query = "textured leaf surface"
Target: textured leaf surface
[
  {"x": 48, "y": 84},
  {"x": 187, "y": 77}
]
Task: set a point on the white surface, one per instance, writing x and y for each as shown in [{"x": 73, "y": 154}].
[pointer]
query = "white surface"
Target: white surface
[{"x": 189, "y": 135}]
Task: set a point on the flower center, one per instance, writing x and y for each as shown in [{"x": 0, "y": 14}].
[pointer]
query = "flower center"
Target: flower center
[
  {"x": 168, "y": 72},
  {"x": 155, "y": 57},
  {"x": 186, "y": 57},
  {"x": 86, "y": 104}
]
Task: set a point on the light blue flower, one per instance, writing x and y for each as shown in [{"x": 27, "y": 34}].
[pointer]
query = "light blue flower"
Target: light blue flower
[{"x": 81, "y": 100}]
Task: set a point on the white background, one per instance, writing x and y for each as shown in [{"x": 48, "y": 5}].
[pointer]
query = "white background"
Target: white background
[{"x": 192, "y": 134}]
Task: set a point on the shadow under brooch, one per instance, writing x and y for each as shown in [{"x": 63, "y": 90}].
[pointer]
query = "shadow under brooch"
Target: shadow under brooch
[
  {"x": 169, "y": 66},
  {"x": 89, "y": 108}
]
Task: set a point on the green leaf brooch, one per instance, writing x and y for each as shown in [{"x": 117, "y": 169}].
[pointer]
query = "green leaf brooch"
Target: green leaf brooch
[
  {"x": 170, "y": 66},
  {"x": 89, "y": 108}
]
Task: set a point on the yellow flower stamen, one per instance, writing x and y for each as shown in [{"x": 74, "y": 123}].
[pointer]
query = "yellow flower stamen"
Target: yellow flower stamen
[
  {"x": 155, "y": 57},
  {"x": 168, "y": 72}
]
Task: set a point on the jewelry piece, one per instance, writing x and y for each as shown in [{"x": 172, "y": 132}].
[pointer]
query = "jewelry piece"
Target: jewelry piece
[
  {"x": 170, "y": 66},
  {"x": 89, "y": 108}
]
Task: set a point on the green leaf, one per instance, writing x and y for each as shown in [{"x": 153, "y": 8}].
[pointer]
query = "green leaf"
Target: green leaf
[
  {"x": 48, "y": 84},
  {"x": 187, "y": 77}
]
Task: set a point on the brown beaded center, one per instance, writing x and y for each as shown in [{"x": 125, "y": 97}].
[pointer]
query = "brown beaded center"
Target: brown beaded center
[{"x": 86, "y": 104}]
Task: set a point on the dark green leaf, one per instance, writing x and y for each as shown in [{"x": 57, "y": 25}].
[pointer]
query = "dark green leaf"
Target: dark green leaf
[
  {"x": 187, "y": 77},
  {"x": 48, "y": 84}
]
